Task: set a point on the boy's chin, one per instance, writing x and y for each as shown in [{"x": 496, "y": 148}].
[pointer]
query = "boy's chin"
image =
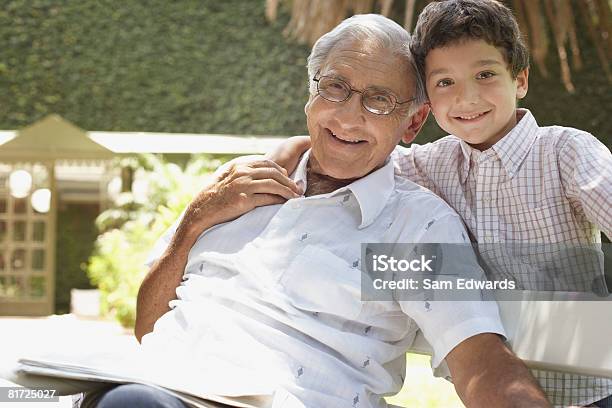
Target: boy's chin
[
  {"x": 479, "y": 142},
  {"x": 481, "y": 146}
]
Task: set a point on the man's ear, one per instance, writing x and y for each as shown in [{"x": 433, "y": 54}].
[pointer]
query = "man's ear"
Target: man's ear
[
  {"x": 308, "y": 102},
  {"x": 522, "y": 83},
  {"x": 416, "y": 123}
]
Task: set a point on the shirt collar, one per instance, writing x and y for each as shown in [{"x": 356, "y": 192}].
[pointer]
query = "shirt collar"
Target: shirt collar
[
  {"x": 466, "y": 149},
  {"x": 511, "y": 149},
  {"x": 299, "y": 175},
  {"x": 371, "y": 192}
]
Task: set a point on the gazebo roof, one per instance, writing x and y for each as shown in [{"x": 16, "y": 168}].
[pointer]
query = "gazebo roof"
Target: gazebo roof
[{"x": 52, "y": 138}]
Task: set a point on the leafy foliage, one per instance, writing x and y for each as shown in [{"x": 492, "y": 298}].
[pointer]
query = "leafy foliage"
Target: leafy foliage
[
  {"x": 118, "y": 264},
  {"x": 190, "y": 66}
]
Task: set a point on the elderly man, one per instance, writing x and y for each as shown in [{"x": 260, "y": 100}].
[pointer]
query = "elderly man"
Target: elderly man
[{"x": 257, "y": 288}]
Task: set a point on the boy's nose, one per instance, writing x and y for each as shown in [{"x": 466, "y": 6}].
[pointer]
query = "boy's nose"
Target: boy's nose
[{"x": 467, "y": 93}]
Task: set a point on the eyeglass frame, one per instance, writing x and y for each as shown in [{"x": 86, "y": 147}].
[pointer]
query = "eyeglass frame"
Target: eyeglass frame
[{"x": 353, "y": 90}]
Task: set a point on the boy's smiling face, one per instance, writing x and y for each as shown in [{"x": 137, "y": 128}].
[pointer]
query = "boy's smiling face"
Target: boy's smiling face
[{"x": 472, "y": 92}]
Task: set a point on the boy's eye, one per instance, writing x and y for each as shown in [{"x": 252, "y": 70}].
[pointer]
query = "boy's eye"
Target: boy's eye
[
  {"x": 444, "y": 83},
  {"x": 485, "y": 75}
]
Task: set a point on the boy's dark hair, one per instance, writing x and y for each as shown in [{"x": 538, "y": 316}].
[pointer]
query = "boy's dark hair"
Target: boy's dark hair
[{"x": 448, "y": 21}]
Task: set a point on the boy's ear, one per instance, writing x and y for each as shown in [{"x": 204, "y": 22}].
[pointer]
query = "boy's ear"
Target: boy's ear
[
  {"x": 416, "y": 123},
  {"x": 522, "y": 83}
]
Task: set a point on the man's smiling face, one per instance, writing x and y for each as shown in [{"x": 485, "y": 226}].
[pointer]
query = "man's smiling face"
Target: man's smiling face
[{"x": 348, "y": 142}]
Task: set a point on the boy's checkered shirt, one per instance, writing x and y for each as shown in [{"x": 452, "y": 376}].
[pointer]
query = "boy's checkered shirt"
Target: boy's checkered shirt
[{"x": 540, "y": 185}]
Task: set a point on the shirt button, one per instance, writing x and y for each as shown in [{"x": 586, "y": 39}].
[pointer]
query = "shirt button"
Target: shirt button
[{"x": 295, "y": 205}]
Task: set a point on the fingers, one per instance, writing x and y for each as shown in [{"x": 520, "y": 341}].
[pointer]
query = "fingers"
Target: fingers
[
  {"x": 266, "y": 169},
  {"x": 267, "y": 199},
  {"x": 245, "y": 186},
  {"x": 269, "y": 186},
  {"x": 273, "y": 174},
  {"x": 267, "y": 163}
]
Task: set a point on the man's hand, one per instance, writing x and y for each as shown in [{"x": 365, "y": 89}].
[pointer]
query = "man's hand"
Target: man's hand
[
  {"x": 239, "y": 189},
  {"x": 487, "y": 374}
]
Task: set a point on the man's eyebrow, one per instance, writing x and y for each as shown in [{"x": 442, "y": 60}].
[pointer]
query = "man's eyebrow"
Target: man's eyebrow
[
  {"x": 333, "y": 74},
  {"x": 336, "y": 75}
]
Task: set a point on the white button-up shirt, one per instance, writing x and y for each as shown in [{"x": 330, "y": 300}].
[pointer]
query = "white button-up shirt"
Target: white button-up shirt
[
  {"x": 271, "y": 302},
  {"x": 538, "y": 185}
]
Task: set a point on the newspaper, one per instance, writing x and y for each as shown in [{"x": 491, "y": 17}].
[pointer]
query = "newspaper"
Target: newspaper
[
  {"x": 97, "y": 371},
  {"x": 542, "y": 333}
]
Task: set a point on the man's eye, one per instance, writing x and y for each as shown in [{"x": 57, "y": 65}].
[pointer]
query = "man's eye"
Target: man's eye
[
  {"x": 444, "y": 83},
  {"x": 335, "y": 85},
  {"x": 381, "y": 98},
  {"x": 485, "y": 75}
]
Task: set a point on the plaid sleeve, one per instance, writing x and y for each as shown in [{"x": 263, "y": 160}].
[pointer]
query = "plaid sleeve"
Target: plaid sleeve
[{"x": 586, "y": 169}]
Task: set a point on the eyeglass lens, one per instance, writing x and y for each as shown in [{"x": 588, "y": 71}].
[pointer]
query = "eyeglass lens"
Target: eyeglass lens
[{"x": 374, "y": 100}]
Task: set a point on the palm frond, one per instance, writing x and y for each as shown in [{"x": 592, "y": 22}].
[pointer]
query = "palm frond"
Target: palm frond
[{"x": 312, "y": 18}]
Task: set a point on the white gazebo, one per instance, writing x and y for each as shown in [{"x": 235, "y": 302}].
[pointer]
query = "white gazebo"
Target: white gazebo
[
  {"x": 28, "y": 208},
  {"x": 54, "y": 162}
]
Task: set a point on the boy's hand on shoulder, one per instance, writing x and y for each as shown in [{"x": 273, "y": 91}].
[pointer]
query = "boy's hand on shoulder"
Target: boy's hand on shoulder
[{"x": 288, "y": 153}]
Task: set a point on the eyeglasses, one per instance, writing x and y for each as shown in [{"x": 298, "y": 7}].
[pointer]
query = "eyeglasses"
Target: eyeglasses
[{"x": 376, "y": 101}]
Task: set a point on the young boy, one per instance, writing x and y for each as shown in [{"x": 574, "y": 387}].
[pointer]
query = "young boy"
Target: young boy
[{"x": 508, "y": 178}]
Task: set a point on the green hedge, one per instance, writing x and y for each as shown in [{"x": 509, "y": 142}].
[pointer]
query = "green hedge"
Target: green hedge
[
  {"x": 204, "y": 66},
  {"x": 130, "y": 230},
  {"x": 185, "y": 66}
]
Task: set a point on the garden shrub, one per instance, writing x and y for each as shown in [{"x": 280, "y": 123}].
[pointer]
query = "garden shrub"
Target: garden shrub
[{"x": 131, "y": 228}]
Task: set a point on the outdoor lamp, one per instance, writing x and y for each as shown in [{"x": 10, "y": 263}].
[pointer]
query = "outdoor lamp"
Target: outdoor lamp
[
  {"x": 20, "y": 183},
  {"x": 41, "y": 200}
]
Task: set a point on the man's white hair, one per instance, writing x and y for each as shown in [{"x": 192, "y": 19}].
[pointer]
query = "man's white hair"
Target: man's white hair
[{"x": 375, "y": 29}]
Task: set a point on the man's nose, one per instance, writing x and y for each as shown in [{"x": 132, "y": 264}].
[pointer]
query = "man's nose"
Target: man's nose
[{"x": 351, "y": 112}]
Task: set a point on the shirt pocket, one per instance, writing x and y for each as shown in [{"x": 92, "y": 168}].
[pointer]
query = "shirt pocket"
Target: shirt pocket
[
  {"x": 531, "y": 224},
  {"x": 322, "y": 282}
]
